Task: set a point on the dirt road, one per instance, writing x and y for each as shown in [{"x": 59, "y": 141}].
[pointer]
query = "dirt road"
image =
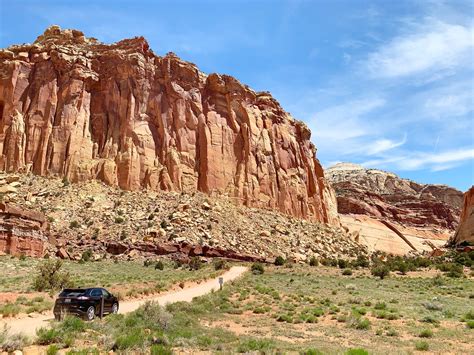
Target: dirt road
[{"x": 29, "y": 325}]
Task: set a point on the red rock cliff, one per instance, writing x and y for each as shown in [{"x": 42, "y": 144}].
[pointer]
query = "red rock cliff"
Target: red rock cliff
[
  {"x": 74, "y": 107},
  {"x": 465, "y": 232}
]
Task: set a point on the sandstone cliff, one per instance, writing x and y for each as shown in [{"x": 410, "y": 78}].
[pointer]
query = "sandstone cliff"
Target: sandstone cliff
[
  {"x": 384, "y": 195},
  {"x": 465, "y": 232},
  {"x": 73, "y": 107}
]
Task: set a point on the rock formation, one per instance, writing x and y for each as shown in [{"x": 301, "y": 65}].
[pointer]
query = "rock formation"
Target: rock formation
[
  {"x": 384, "y": 195},
  {"x": 73, "y": 107},
  {"x": 465, "y": 232},
  {"x": 22, "y": 232}
]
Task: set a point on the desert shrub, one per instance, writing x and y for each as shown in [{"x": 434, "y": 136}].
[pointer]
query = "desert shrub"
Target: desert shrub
[
  {"x": 220, "y": 264},
  {"x": 402, "y": 267},
  {"x": 470, "y": 324},
  {"x": 10, "y": 343},
  {"x": 159, "y": 265},
  {"x": 119, "y": 219},
  {"x": 50, "y": 277},
  {"x": 86, "y": 255},
  {"x": 381, "y": 271},
  {"x": 177, "y": 264},
  {"x": 147, "y": 262},
  {"x": 52, "y": 349},
  {"x": 342, "y": 263},
  {"x": 255, "y": 345},
  {"x": 359, "y": 323},
  {"x": 431, "y": 306},
  {"x": 426, "y": 333},
  {"x": 347, "y": 272},
  {"x": 65, "y": 181},
  {"x": 380, "y": 305},
  {"x": 311, "y": 352},
  {"x": 313, "y": 261},
  {"x": 46, "y": 336},
  {"x": 357, "y": 351},
  {"x": 361, "y": 261},
  {"x": 420, "y": 261},
  {"x": 422, "y": 346},
  {"x": 9, "y": 309},
  {"x": 279, "y": 260},
  {"x": 74, "y": 224},
  {"x": 258, "y": 268},
  {"x": 456, "y": 271},
  {"x": 195, "y": 263}
]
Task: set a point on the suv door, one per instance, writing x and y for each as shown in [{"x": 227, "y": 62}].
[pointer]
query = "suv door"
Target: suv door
[
  {"x": 108, "y": 300},
  {"x": 96, "y": 295}
]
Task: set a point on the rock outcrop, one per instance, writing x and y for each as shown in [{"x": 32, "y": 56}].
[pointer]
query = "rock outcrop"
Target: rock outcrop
[
  {"x": 73, "y": 107},
  {"x": 22, "y": 232},
  {"x": 465, "y": 232},
  {"x": 384, "y": 195}
]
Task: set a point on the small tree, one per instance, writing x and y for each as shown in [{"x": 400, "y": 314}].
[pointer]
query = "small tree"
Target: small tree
[
  {"x": 257, "y": 268},
  {"x": 159, "y": 265},
  {"x": 279, "y": 260},
  {"x": 381, "y": 271},
  {"x": 313, "y": 261},
  {"x": 195, "y": 263},
  {"x": 50, "y": 277}
]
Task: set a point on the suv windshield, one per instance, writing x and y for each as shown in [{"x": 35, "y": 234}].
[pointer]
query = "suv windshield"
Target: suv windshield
[{"x": 72, "y": 293}]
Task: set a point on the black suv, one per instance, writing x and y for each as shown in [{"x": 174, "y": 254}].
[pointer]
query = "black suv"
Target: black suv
[{"x": 84, "y": 302}]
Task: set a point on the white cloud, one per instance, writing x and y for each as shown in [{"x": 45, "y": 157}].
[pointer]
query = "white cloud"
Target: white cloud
[
  {"x": 433, "y": 47},
  {"x": 417, "y": 160},
  {"x": 383, "y": 145}
]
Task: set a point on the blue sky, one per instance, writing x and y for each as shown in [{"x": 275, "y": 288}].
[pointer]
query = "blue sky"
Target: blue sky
[{"x": 388, "y": 84}]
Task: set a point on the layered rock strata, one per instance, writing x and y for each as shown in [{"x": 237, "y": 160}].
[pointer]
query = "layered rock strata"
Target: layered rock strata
[
  {"x": 73, "y": 107},
  {"x": 22, "y": 232},
  {"x": 384, "y": 195}
]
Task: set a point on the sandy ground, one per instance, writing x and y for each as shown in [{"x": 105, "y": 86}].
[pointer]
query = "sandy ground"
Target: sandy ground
[
  {"x": 378, "y": 237},
  {"x": 29, "y": 325}
]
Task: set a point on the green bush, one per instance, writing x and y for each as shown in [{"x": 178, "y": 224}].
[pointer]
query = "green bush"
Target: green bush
[
  {"x": 279, "y": 260},
  {"x": 359, "y": 323},
  {"x": 347, "y": 272},
  {"x": 86, "y": 255},
  {"x": 52, "y": 350},
  {"x": 195, "y": 263},
  {"x": 470, "y": 324},
  {"x": 119, "y": 219},
  {"x": 257, "y": 268},
  {"x": 381, "y": 271},
  {"x": 361, "y": 261},
  {"x": 357, "y": 351},
  {"x": 74, "y": 224},
  {"x": 220, "y": 264},
  {"x": 254, "y": 345},
  {"x": 342, "y": 263},
  {"x": 313, "y": 261},
  {"x": 159, "y": 265},
  {"x": 50, "y": 277},
  {"x": 426, "y": 333},
  {"x": 422, "y": 346}
]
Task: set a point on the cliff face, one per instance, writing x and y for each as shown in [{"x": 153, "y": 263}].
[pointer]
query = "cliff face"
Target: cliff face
[
  {"x": 73, "y": 107},
  {"x": 386, "y": 196},
  {"x": 465, "y": 232}
]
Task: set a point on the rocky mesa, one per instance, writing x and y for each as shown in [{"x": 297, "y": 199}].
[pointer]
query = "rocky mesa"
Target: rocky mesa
[
  {"x": 73, "y": 107},
  {"x": 392, "y": 214}
]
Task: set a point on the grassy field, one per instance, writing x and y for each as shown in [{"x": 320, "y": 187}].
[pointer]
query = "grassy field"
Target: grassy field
[
  {"x": 127, "y": 279},
  {"x": 296, "y": 308}
]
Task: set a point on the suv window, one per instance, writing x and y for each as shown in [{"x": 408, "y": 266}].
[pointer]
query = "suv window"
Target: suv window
[
  {"x": 96, "y": 293},
  {"x": 105, "y": 293}
]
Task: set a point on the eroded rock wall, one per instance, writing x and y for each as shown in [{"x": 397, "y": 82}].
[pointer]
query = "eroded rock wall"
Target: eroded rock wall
[
  {"x": 465, "y": 232},
  {"x": 74, "y": 107}
]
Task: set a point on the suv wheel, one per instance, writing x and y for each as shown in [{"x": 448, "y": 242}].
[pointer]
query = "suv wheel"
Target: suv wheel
[
  {"x": 115, "y": 308},
  {"x": 90, "y": 313}
]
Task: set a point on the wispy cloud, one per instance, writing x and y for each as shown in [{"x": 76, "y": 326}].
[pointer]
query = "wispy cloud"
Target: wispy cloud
[
  {"x": 417, "y": 160},
  {"x": 383, "y": 145},
  {"x": 433, "y": 47}
]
